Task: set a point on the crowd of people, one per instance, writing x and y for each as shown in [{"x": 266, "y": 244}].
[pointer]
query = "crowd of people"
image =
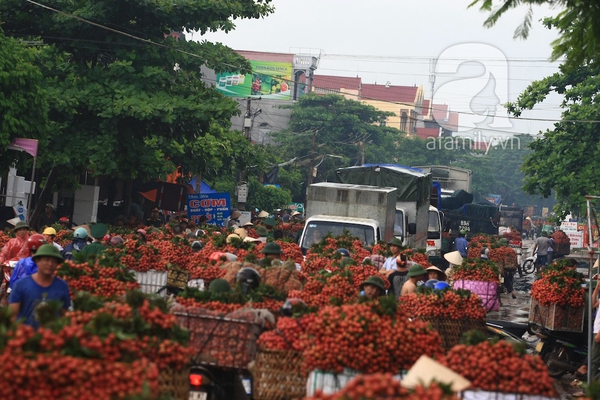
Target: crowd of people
[
  {"x": 34, "y": 257},
  {"x": 404, "y": 276}
]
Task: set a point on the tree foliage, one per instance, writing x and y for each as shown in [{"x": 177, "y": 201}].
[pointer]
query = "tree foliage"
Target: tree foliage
[
  {"x": 333, "y": 120},
  {"x": 23, "y": 101},
  {"x": 576, "y": 22},
  {"x": 127, "y": 99},
  {"x": 565, "y": 159},
  {"x": 267, "y": 198}
]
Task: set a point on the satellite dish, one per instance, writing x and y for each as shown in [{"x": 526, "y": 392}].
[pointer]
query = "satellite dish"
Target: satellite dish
[{"x": 387, "y": 84}]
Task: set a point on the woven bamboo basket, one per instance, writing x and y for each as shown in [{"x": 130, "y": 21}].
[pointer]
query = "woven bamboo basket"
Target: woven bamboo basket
[
  {"x": 277, "y": 375},
  {"x": 174, "y": 384},
  {"x": 451, "y": 330}
]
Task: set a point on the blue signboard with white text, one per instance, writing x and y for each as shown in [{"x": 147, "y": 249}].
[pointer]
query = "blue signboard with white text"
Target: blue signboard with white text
[{"x": 215, "y": 206}]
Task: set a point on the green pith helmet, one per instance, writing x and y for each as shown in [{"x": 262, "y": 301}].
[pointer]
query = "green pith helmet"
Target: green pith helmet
[
  {"x": 272, "y": 248},
  {"x": 99, "y": 230},
  {"x": 270, "y": 221},
  {"x": 219, "y": 286},
  {"x": 262, "y": 231},
  {"x": 48, "y": 250},
  {"x": 20, "y": 225},
  {"x": 374, "y": 281},
  {"x": 416, "y": 270},
  {"x": 395, "y": 242}
]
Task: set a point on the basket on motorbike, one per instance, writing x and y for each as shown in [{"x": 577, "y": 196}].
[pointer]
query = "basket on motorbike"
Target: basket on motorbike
[
  {"x": 556, "y": 317},
  {"x": 277, "y": 375},
  {"x": 177, "y": 277},
  {"x": 451, "y": 330},
  {"x": 562, "y": 249},
  {"x": 174, "y": 384},
  {"x": 220, "y": 341}
]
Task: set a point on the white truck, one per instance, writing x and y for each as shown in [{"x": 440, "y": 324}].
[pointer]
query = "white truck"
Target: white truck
[
  {"x": 366, "y": 212},
  {"x": 413, "y": 216}
]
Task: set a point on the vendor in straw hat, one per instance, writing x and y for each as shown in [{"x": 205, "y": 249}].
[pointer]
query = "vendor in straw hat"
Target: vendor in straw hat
[
  {"x": 453, "y": 258},
  {"x": 434, "y": 272}
]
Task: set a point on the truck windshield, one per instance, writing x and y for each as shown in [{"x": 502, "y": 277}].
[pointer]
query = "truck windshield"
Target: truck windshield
[
  {"x": 399, "y": 223},
  {"x": 433, "y": 228},
  {"x": 317, "y": 230}
]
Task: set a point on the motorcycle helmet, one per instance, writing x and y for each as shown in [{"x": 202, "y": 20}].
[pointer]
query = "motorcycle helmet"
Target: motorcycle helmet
[
  {"x": 293, "y": 306},
  {"x": 249, "y": 278},
  {"x": 216, "y": 256},
  {"x": 80, "y": 233},
  {"x": 430, "y": 284},
  {"x": 35, "y": 241},
  {"x": 197, "y": 245},
  {"x": 441, "y": 286},
  {"x": 116, "y": 241},
  {"x": 343, "y": 252}
]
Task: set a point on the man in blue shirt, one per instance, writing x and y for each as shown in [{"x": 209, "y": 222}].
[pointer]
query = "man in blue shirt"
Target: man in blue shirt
[
  {"x": 461, "y": 245},
  {"x": 38, "y": 289}
]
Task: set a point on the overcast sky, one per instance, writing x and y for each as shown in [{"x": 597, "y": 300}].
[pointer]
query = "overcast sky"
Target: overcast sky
[{"x": 394, "y": 41}]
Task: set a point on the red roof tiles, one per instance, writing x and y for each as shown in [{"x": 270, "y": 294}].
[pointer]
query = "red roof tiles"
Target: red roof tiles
[
  {"x": 264, "y": 56},
  {"x": 395, "y": 94},
  {"x": 336, "y": 82}
]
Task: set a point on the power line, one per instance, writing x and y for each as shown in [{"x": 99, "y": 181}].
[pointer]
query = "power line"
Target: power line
[{"x": 147, "y": 41}]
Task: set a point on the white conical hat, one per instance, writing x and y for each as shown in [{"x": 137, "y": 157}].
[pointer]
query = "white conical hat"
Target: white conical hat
[{"x": 454, "y": 257}]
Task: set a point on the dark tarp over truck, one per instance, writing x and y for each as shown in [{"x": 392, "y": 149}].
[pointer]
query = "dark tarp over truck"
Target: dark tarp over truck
[{"x": 411, "y": 184}]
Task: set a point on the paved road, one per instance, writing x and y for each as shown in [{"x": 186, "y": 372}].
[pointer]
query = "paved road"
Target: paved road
[{"x": 517, "y": 310}]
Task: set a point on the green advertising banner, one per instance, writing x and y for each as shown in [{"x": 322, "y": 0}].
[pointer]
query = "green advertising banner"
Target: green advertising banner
[
  {"x": 271, "y": 80},
  {"x": 296, "y": 207}
]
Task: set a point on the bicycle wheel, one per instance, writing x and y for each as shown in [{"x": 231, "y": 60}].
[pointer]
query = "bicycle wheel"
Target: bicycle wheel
[{"x": 528, "y": 267}]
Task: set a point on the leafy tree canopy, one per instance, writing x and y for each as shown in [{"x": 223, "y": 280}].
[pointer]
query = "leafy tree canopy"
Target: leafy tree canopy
[
  {"x": 565, "y": 159},
  {"x": 23, "y": 102},
  {"x": 337, "y": 123},
  {"x": 576, "y": 22},
  {"x": 129, "y": 108}
]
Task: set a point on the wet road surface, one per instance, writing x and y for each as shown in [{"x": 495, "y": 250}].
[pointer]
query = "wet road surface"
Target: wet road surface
[{"x": 517, "y": 310}]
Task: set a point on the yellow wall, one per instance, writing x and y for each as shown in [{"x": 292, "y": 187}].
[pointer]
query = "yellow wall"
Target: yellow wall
[{"x": 395, "y": 120}]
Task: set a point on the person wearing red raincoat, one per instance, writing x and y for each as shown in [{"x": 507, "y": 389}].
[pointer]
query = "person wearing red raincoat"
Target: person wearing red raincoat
[{"x": 17, "y": 245}]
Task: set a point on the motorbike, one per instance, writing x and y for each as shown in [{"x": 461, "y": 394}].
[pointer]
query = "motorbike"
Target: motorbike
[
  {"x": 214, "y": 383},
  {"x": 528, "y": 265},
  {"x": 511, "y": 331},
  {"x": 563, "y": 353}
]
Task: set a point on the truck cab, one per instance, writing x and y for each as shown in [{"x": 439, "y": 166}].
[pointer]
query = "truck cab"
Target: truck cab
[
  {"x": 434, "y": 235},
  {"x": 318, "y": 226}
]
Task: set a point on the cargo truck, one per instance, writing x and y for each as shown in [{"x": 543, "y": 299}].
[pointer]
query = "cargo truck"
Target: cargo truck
[
  {"x": 366, "y": 212},
  {"x": 414, "y": 217}
]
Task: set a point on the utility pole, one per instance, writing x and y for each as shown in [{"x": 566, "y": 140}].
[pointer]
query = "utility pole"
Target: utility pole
[
  {"x": 432, "y": 68},
  {"x": 362, "y": 147},
  {"x": 242, "y": 187},
  {"x": 248, "y": 120},
  {"x": 311, "y": 158}
]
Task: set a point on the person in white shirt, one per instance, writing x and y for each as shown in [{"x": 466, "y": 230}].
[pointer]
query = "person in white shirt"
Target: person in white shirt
[
  {"x": 390, "y": 265},
  {"x": 395, "y": 268}
]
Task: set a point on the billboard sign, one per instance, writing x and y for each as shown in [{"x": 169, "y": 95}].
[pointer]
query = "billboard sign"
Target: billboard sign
[
  {"x": 215, "y": 206},
  {"x": 269, "y": 80},
  {"x": 569, "y": 226}
]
